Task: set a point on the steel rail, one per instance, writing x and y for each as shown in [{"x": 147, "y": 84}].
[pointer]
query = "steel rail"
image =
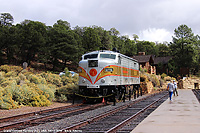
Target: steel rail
[
  {"x": 123, "y": 123},
  {"x": 197, "y": 93},
  {"x": 37, "y": 112},
  {"x": 29, "y": 121},
  {"x": 96, "y": 118}
]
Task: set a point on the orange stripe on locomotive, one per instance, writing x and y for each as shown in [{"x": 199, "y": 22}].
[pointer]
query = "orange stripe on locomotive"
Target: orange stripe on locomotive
[{"x": 117, "y": 71}]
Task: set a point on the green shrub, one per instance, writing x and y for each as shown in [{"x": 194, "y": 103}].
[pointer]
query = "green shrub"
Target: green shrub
[
  {"x": 67, "y": 90},
  {"x": 5, "y": 105},
  {"x": 31, "y": 96},
  {"x": 23, "y": 87},
  {"x": 7, "y": 82},
  {"x": 143, "y": 78},
  {"x": 25, "y": 95},
  {"x": 48, "y": 92},
  {"x": 163, "y": 75},
  {"x": 66, "y": 80},
  {"x": 69, "y": 79},
  {"x": 161, "y": 82},
  {"x": 39, "y": 101},
  {"x": 67, "y": 73},
  {"x": 7, "y": 68},
  {"x": 11, "y": 74},
  {"x": 7, "y": 102},
  {"x": 2, "y": 77},
  {"x": 75, "y": 79},
  {"x": 62, "y": 98},
  {"x": 34, "y": 79},
  {"x": 52, "y": 78},
  {"x": 155, "y": 80},
  {"x": 22, "y": 76},
  {"x": 16, "y": 68},
  {"x": 168, "y": 78}
]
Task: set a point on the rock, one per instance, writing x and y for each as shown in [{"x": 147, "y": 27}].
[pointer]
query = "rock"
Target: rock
[{"x": 189, "y": 83}]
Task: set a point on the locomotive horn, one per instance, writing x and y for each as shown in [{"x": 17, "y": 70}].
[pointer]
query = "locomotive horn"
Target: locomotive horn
[
  {"x": 103, "y": 48},
  {"x": 114, "y": 49}
]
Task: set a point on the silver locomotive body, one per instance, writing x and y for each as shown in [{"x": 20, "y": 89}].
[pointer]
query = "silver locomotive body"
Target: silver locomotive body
[{"x": 103, "y": 72}]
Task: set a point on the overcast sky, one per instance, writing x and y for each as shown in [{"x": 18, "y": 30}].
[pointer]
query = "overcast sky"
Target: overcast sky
[{"x": 151, "y": 20}]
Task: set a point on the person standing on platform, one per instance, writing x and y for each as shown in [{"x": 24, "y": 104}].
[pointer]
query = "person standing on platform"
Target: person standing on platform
[
  {"x": 170, "y": 88},
  {"x": 175, "y": 88}
]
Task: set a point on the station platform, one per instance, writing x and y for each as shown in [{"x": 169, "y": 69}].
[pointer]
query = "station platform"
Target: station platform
[{"x": 182, "y": 115}]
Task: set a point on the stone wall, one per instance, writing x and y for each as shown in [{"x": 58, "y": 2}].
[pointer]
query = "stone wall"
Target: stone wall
[
  {"x": 189, "y": 83},
  {"x": 147, "y": 87}
]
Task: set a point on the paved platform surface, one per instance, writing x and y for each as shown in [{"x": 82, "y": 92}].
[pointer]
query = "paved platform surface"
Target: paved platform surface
[{"x": 182, "y": 115}]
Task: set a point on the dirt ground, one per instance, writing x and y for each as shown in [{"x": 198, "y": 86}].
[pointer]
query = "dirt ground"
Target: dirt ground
[{"x": 26, "y": 109}]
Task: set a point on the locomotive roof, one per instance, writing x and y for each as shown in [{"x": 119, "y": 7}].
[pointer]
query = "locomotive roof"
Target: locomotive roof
[
  {"x": 110, "y": 52},
  {"x": 106, "y": 51}
]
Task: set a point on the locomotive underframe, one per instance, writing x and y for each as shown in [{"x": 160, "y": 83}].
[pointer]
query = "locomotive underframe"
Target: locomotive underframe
[{"x": 109, "y": 91}]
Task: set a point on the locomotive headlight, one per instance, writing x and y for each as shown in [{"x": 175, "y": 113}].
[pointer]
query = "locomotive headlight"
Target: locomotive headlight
[
  {"x": 108, "y": 69},
  {"x": 79, "y": 70},
  {"x": 103, "y": 81},
  {"x": 83, "y": 80}
]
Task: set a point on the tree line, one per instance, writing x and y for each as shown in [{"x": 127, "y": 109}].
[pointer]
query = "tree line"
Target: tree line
[{"x": 60, "y": 44}]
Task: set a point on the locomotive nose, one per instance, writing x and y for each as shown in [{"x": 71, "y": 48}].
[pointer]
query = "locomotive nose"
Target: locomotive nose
[{"x": 93, "y": 72}]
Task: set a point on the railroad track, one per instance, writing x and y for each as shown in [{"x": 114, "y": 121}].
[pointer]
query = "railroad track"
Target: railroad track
[
  {"x": 116, "y": 120},
  {"x": 35, "y": 118},
  {"x": 197, "y": 93}
]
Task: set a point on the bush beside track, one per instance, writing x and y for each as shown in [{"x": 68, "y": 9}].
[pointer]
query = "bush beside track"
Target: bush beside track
[{"x": 27, "y": 87}]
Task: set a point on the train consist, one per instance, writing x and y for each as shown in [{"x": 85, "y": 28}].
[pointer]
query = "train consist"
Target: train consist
[{"x": 103, "y": 73}]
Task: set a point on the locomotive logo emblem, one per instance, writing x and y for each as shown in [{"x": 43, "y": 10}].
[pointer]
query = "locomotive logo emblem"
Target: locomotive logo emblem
[{"x": 93, "y": 72}]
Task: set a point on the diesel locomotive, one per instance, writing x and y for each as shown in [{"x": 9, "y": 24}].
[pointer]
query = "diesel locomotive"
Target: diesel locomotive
[{"x": 103, "y": 73}]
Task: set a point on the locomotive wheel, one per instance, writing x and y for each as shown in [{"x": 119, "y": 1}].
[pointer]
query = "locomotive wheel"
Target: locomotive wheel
[
  {"x": 120, "y": 92},
  {"x": 105, "y": 91}
]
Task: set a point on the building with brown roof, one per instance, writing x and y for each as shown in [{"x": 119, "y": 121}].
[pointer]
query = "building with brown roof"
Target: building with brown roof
[
  {"x": 161, "y": 64},
  {"x": 146, "y": 62},
  {"x": 153, "y": 64}
]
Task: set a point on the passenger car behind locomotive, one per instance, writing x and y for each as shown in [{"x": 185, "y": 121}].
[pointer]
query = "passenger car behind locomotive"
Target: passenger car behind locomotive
[{"x": 102, "y": 73}]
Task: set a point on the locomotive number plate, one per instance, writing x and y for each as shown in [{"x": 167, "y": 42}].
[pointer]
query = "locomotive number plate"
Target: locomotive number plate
[{"x": 93, "y": 86}]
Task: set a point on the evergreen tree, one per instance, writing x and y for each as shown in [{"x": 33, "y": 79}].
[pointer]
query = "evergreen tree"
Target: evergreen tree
[
  {"x": 183, "y": 48},
  {"x": 32, "y": 38},
  {"x": 6, "y": 19},
  {"x": 63, "y": 44},
  {"x": 91, "y": 40}
]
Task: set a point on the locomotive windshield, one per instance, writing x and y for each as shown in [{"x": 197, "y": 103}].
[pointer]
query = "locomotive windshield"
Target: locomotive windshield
[
  {"x": 90, "y": 56},
  {"x": 108, "y": 56},
  {"x": 93, "y": 63}
]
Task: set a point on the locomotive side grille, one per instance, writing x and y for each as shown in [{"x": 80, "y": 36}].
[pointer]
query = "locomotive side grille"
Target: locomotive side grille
[{"x": 93, "y": 63}]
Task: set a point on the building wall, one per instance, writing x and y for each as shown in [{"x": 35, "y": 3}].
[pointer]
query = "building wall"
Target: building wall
[{"x": 150, "y": 69}]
